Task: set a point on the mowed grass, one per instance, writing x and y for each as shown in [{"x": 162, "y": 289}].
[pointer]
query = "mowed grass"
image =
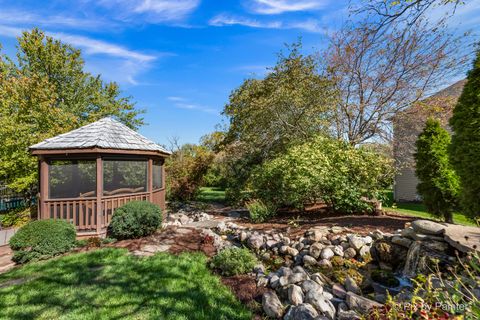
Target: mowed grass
[
  {"x": 110, "y": 284},
  {"x": 419, "y": 210},
  {"x": 211, "y": 194}
]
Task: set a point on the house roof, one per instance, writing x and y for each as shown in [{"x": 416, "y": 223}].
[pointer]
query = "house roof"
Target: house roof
[
  {"x": 447, "y": 97},
  {"x": 106, "y": 133}
]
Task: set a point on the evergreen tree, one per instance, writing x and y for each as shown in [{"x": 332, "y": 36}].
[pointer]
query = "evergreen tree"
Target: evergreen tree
[
  {"x": 439, "y": 183},
  {"x": 465, "y": 147}
]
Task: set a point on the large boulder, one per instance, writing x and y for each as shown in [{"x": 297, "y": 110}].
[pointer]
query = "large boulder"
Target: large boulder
[
  {"x": 428, "y": 227},
  {"x": 295, "y": 295},
  {"x": 360, "y": 304},
  {"x": 303, "y": 311},
  {"x": 321, "y": 303},
  {"x": 272, "y": 305}
]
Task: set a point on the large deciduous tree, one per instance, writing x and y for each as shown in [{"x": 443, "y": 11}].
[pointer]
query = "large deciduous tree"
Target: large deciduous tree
[
  {"x": 377, "y": 73},
  {"x": 439, "y": 183},
  {"x": 46, "y": 92},
  {"x": 292, "y": 103},
  {"x": 465, "y": 147}
]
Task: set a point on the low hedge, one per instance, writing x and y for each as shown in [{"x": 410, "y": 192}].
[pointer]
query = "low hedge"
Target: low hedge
[
  {"x": 135, "y": 219},
  {"x": 42, "y": 239}
]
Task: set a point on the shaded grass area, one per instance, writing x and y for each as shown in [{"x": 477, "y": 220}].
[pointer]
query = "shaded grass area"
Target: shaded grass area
[
  {"x": 211, "y": 194},
  {"x": 110, "y": 284},
  {"x": 418, "y": 210}
]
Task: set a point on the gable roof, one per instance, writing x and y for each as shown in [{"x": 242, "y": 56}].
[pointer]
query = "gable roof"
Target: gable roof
[{"x": 105, "y": 133}]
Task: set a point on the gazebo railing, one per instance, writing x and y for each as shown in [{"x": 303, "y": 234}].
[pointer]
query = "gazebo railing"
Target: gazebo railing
[{"x": 83, "y": 212}]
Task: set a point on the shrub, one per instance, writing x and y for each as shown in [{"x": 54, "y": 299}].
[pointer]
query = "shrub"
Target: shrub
[
  {"x": 185, "y": 170},
  {"x": 465, "y": 147},
  {"x": 438, "y": 185},
  {"x": 17, "y": 217},
  {"x": 42, "y": 239},
  {"x": 135, "y": 219},
  {"x": 234, "y": 261},
  {"x": 324, "y": 170},
  {"x": 259, "y": 212}
]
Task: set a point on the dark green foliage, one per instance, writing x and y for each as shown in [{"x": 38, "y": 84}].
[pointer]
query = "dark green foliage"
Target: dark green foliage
[
  {"x": 135, "y": 219},
  {"x": 465, "y": 147},
  {"x": 42, "y": 239},
  {"x": 234, "y": 261},
  {"x": 259, "y": 212},
  {"x": 439, "y": 183}
]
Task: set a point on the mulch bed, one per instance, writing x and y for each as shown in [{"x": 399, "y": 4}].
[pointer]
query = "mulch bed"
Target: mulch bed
[
  {"x": 319, "y": 216},
  {"x": 245, "y": 289}
]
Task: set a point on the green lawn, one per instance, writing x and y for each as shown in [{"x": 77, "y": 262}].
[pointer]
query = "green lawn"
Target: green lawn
[
  {"x": 418, "y": 210},
  {"x": 211, "y": 194},
  {"x": 110, "y": 284}
]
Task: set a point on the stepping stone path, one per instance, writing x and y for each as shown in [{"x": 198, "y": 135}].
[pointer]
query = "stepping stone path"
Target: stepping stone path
[{"x": 6, "y": 262}]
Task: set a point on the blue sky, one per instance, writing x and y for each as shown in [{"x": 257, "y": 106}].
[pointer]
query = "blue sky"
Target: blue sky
[{"x": 180, "y": 59}]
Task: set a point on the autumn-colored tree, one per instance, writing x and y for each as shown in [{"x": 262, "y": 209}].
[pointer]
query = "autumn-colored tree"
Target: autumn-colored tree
[
  {"x": 465, "y": 147},
  {"x": 438, "y": 183},
  {"x": 46, "y": 92},
  {"x": 379, "y": 73},
  {"x": 185, "y": 171}
]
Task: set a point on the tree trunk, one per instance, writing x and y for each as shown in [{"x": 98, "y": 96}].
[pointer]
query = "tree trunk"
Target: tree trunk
[{"x": 448, "y": 216}]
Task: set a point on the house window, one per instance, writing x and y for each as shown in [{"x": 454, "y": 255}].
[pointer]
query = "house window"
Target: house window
[
  {"x": 72, "y": 179},
  {"x": 157, "y": 175},
  {"x": 124, "y": 177}
]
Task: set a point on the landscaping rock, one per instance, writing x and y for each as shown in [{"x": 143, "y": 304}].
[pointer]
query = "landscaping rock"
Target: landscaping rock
[
  {"x": 299, "y": 269},
  {"x": 255, "y": 242},
  {"x": 295, "y": 295},
  {"x": 338, "y": 250},
  {"x": 364, "y": 251},
  {"x": 359, "y": 303},
  {"x": 310, "y": 285},
  {"x": 404, "y": 242},
  {"x": 316, "y": 249},
  {"x": 436, "y": 245},
  {"x": 321, "y": 303},
  {"x": 428, "y": 227},
  {"x": 339, "y": 291},
  {"x": 324, "y": 263},
  {"x": 274, "y": 281},
  {"x": 272, "y": 305},
  {"x": 351, "y": 285},
  {"x": 303, "y": 311},
  {"x": 349, "y": 253},
  {"x": 327, "y": 253},
  {"x": 463, "y": 238},
  {"x": 356, "y": 242},
  {"x": 309, "y": 261}
]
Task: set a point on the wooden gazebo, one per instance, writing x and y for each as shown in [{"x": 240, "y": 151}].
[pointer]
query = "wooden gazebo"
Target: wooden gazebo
[{"x": 85, "y": 174}]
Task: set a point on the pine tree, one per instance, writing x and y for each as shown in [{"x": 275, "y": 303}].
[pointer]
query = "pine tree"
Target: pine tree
[
  {"x": 465, "y": 147},
  {"x": 439, "y": 183}
]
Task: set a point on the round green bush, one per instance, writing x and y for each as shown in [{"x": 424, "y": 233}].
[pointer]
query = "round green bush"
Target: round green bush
[
  {"x": 234, "y": 261},
  {"x": 135, "y": 219},
  {"x": 42, "y": 239}
]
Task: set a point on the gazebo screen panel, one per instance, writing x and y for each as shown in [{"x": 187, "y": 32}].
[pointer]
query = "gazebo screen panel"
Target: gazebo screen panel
[
  {"x": 157, "y": 175},
  {"x": 72, "y": 179},
  {"x": 124, "y": 176}
]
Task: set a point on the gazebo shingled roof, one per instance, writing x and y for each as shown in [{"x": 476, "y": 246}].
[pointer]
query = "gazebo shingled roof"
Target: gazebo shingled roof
[{"x": 105, "y": 133}]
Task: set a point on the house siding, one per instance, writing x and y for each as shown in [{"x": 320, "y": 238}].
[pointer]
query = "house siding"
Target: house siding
[{"x": 405, "y": 189}]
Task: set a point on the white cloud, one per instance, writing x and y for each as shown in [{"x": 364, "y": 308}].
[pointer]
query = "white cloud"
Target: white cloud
[
  {"x": 183, "y": 103},
  {"x": 151, "y": 10},
  {"x": 22, "y": 17},
  {"x": 310, "y": 25},
  {"x": 282, "y": 6},
  {"x": 122, "y": 65},
  {"x": 92, "y": 46}
]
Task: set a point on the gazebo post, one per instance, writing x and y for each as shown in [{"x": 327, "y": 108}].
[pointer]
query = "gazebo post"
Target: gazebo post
[
  {"x": 99, "y": 193},
  {"x": 150, "y": 179},
  {"x": 42, "y": 210}
]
